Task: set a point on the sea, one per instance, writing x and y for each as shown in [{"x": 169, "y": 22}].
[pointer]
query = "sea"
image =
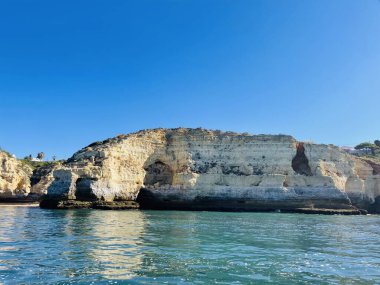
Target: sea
[{"x": 40, "y": 246}]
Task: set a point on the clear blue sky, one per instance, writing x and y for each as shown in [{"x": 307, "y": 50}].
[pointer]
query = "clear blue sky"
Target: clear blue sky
[{"x": 74, "y": 72}]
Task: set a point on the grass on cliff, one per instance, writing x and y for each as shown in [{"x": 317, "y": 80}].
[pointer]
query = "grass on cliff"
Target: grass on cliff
[
  {"x": 37, "y": 164},
  {"x": 6, "y": 152},
  {"x": 371, "y": 151},
  {"x": 374, "y": 158}
]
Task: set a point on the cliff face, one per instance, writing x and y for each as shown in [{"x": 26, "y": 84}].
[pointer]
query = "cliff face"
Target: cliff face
[
  {"x": 14, "y": 178},
  {"x": 202, "y": 169}
]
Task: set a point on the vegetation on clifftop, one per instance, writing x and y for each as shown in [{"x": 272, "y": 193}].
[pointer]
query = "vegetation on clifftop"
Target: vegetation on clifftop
[
  {"x": 370, "y": 150},
  {"x": 6, "y": 152},
  {"x": 37, "y": 164}
]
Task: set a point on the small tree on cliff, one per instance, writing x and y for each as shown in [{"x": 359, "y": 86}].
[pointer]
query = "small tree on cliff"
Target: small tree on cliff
[
  {"x": 377, "y": 143},
  {"x": 367, "y": 146},
  {"x": 28, "y": 157},
  {"x": 41, "y": 155}
]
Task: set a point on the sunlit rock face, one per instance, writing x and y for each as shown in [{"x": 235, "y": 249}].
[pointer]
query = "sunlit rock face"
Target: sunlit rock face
[
  {"x": 201, "y": 169},
  {"x": 14, "y": 178}
]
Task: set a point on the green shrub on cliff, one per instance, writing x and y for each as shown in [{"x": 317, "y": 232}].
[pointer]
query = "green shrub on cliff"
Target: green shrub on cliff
[
  {"x": 36, "y": 164},
  {"x": 368, "y": 146},
  {"x": 6, "y": 152},
  {"x": 370, "y": 150}
]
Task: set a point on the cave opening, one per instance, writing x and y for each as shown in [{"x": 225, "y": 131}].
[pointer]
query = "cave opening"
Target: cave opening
[
  {"x": 300, "y": 163},
  {"x": 158, "y": 172},
  {"x": 84, "y": 189}
]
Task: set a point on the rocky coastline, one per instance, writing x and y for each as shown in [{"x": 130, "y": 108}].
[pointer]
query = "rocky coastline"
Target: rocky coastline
[{"x": 198, "y": 169}]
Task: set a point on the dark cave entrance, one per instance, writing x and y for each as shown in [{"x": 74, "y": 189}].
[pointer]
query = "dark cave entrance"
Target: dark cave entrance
[
  {"x": 300, "y": 163},
  {"x": 84, "y": 189},
  {"x": 158, "y": 172}
]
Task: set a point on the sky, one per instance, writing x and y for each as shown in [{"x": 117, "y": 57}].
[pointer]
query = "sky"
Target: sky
[{"x": 73, "y": 71}]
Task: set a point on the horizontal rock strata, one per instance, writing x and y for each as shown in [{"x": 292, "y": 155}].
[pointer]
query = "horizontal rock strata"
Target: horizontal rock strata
[{"x": 200, "y": 169}]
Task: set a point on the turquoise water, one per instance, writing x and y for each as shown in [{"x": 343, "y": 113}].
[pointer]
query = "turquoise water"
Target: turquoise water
[{"x": 161, "y": 247}]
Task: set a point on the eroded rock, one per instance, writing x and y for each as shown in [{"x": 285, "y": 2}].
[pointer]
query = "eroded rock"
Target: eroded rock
[
  {"x": 202, "y": 169},
  {"x": 14, "y": 178}
]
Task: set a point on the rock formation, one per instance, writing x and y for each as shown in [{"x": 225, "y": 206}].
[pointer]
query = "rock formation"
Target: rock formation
[
  {"x": 17, "y": 178},
  {"x": 14, "y": 178},
  {"x": 200, "y": 169}
]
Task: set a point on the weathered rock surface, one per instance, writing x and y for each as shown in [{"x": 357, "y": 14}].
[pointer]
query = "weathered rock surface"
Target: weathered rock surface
[
  {"x": 18, "y": 178},
  {"x": 14, "y": 179},
  {"x": 211, "y": 170},
  {"x": 103, "y": 205}
]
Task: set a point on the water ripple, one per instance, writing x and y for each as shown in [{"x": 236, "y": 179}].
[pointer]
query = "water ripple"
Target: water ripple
[{"x": 160, "y": 247}]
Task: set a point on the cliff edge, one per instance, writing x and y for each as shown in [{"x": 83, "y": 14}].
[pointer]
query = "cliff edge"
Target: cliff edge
[
  {"x": 200, "y": 169},
  {"x": 14, "y": 178}
]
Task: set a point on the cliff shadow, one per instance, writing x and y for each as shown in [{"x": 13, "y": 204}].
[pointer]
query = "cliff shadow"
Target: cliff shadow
[
  {"x": 300, "y": 163},
  {"x": 158, "y": 174}
]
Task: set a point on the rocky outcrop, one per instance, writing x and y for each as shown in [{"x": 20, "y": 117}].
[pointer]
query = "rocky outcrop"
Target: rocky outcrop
[
  {"x": 17, "y": 178},
  {"x": 212, "y": 170},
  {"x": 14, "y": 179}
]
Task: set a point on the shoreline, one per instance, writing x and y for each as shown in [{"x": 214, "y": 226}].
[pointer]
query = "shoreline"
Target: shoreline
[
  {"x": 19, "y": 204},
  {"x": 132, "y": 205},
  {"x": 120, "y": 206}
]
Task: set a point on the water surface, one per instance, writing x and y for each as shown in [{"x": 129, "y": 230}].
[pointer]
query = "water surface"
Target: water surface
[{"x": 39, "y": 246}]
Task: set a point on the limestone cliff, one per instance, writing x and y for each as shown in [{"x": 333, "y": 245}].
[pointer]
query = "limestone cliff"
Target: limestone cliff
[
  {"x": 14, "y": 178},
  {"x": 203, "y": 169}
]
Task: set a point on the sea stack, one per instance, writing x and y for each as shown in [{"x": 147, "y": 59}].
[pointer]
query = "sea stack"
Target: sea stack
[{"x": 198, "y": 169}]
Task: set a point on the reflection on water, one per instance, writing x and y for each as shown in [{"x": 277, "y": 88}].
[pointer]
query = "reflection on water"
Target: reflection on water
[
  {"x": 117, "y": 250},
  {"x": 154, "y": 247},
  {"x": 37, "y": 245}
]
